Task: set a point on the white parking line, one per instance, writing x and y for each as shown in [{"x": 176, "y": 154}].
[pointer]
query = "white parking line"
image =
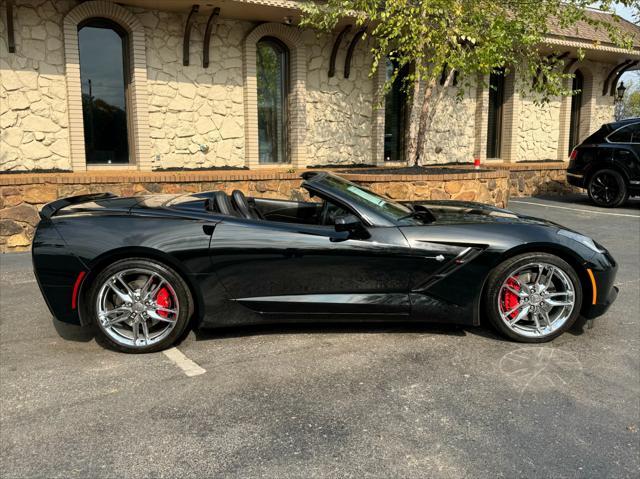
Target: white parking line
[
  {"x": 189, "y": 367},
  {"x": 572, "y": 209}
]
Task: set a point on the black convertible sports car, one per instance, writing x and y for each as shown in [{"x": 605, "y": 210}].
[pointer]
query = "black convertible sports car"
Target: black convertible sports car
[{"x": 144, "y": 268}]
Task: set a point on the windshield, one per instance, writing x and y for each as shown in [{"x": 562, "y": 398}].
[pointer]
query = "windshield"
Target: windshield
[{"x": 390, "y": 209}]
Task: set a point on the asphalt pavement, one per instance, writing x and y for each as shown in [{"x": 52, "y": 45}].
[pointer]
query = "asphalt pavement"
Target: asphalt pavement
[{"x": 391, "y": 400}]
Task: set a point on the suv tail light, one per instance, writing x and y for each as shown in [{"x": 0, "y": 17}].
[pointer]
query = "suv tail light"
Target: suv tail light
[{"x": 574, "y": 154}]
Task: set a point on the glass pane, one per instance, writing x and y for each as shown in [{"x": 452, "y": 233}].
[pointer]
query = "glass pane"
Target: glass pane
[
  {"x": 395, "y": 116},
  {"x": 494, "y": 124},
  {"x": 576, "y": 108},
  {"x": 272, "y": 109},
  {"x": 628, "y": 134},
  {"x": 103, "y": 95}
]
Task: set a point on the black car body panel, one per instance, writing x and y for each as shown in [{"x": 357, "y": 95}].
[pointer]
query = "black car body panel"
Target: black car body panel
[
  {"x": 287, "y": 266},
  {"x": 602, "y": 150}
]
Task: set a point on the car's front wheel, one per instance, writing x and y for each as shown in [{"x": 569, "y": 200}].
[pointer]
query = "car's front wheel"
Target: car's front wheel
[
  {"x": 607, "y": 188},
  {"x": 139, "y": 305},
  {"x": 533, "y": 297}
]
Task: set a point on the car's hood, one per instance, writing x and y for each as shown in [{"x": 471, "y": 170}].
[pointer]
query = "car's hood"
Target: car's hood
[{"x": 457, "y": 212}]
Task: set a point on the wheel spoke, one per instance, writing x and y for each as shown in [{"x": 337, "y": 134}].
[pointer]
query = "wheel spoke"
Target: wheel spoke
[
  {"x": 513, "y": 310},
  {"x": 521, "y": 315},
  {"x": 135, "y": 331},
  {"x": 145, "y": 288},
  {"x": 547, "y": 319},
  {"x": 549, "y": 277},
  {"x": 118, "y": 319},
  {"x": 126, "y": 298},
  {"x": 164, "y": 310},
  {"x": 520, "y": 294},
  {"x": 540, "y": 273},
  {"x": 145, "y": 330},
  {"x": 152, "y": 294},
  {"x": 552, "y": 302},
  {"x": 536, "y": 321},
  {"x": 152, "y": 314}
]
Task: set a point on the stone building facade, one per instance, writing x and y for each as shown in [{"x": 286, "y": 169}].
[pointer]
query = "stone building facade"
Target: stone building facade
[{"x": 183, "y": 115}]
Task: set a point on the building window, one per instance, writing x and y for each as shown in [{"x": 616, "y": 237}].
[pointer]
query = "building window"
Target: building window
[
  {"x": 395, "y": 115},
  {"x": 576, "y": 106},
  {"x": 104, "y": 81},
  {"x": 273, "y": 81},
  {"x": 496, "y": 105}
]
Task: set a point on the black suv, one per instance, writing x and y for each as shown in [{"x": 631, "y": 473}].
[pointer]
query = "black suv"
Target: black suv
[{"x": 607, "y": 163}]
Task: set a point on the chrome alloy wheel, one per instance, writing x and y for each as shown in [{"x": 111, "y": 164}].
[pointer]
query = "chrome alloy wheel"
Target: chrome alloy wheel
[
  {"x": 536, "y": 299},
  {"x": 137, "y": 307}
]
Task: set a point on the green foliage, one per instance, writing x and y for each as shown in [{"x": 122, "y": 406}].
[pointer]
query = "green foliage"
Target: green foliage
[
  {"x": 474, "y": 37},
  {"x": 631, "y": 101}
]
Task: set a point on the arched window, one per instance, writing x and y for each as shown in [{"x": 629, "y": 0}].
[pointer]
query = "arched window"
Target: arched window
[
  {"x": 272, "y": 58},
  {"x": 104, "y": 78},
  {"x": 395, "y": 114},
  {"x": 576, "y": 106},
  {"x": 494, "y": 123}
]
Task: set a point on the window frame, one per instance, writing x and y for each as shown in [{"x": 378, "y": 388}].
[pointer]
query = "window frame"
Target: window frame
[
  {"x": 498, "y": 115},
  {"x": 622, "y": 128},
  {"x": 102, "y": 22},
  {"x": 575, "y": 110},
  {"x": 402, "y": 114},
  {"x": 283, "y": 49}
]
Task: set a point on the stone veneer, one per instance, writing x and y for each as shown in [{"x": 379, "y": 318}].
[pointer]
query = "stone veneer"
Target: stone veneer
[
  {"x": 197, "y": 117},
  {"x": 22, "y": 196},
  {"x": 34, "y": 118}
]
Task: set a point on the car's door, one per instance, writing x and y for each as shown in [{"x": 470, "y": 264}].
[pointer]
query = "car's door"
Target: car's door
[
  {"x": 290, "y": 269},
  {"x": 627, "y": 151}
]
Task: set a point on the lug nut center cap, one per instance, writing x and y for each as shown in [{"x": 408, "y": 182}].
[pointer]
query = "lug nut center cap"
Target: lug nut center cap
[{"x": 138, "y": 307}]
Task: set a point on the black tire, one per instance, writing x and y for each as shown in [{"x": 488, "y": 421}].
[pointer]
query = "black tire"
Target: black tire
[
  {"x": 607, "y": 188},
  {"x": 182, "y": 292},
  {"x": 500, "y": 274}
]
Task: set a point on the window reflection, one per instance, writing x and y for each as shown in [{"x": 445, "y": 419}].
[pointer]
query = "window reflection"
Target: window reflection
[
  {"x": 395, "y": 114},
  {"x": 272, "y": 77},
  {"x": 102, "y": 45}
]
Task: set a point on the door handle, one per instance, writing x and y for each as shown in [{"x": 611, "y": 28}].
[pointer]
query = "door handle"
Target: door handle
[{"x": 440, "y": 258}]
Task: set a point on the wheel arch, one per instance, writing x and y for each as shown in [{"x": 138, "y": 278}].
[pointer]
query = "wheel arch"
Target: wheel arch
[
  {"x": 560, "y": 251},
  {"x": 100, "y": 262}
]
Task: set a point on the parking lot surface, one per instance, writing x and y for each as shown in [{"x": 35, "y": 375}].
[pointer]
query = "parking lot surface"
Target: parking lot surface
[{"x": 392, "y": 400}]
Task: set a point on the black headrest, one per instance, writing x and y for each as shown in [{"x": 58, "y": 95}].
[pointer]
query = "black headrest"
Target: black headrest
[
  {"x": 223, "y": 205},
  {"x": 241, "y": 204}
]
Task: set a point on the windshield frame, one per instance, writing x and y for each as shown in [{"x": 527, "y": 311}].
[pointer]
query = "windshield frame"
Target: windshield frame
[{"x": 362, "y": 202}]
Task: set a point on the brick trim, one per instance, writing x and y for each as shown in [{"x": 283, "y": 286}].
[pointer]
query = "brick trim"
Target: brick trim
[
  {"x": 378, "y": 123},
  {"x": 139, "y": 109},
  {"x": 292, "y": 38}
]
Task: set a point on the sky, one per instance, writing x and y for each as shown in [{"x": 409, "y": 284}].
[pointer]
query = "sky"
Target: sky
[{"x": 627, "y": 14}]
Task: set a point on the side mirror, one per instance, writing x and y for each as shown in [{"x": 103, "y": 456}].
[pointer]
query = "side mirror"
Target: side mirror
[{"x": 352, "y": 225}]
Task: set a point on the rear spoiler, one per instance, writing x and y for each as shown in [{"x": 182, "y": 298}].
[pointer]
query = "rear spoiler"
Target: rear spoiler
[{"x": 50, "y": 209}]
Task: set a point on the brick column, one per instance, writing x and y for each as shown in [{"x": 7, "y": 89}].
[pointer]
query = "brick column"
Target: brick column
[
  {"x": 481, "y": 118},
  {"x": 510, "y": 120},
  {"x": 377, "y": 129}
]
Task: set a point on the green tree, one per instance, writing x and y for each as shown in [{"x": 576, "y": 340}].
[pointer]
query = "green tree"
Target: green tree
[
  {"x": 472, "y": 37},
  {"x": 631, "y": 102}
]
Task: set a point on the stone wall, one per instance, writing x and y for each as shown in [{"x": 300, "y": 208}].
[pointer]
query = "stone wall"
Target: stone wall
[
  {"x": 33, "y": 95},
  {"x": 22, "y": 196},
  {"x": 339, "y": 110},
  {"x": 197, "y": 115},
  {"x": 190, "y": 106},
  {"x": 452, "y": 128}
]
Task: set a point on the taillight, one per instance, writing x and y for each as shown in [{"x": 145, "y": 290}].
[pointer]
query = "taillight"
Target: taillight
[{"x": 574, "y": 154}]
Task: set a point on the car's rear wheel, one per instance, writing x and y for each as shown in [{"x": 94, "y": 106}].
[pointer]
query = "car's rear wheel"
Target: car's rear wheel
[
  {"x": 139, "y": 305},
  {"x": 533, "y": 297},
  {"x": 607, "y": 188}
]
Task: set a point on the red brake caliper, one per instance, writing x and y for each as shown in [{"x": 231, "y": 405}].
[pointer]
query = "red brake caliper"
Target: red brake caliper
[
  {"x": 510, "y": 300},
  {"x": 164, "y": 301}
]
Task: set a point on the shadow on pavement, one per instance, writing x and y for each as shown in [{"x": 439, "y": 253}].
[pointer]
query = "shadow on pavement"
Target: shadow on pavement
[{"x": 583, "y": 199}]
